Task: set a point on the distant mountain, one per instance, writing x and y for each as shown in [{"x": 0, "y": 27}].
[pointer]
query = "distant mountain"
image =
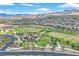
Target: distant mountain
[
  {"x": 65, "y": 12},
  {"x": 4, "y": 14},
  {"x": 70, "y": 12}
]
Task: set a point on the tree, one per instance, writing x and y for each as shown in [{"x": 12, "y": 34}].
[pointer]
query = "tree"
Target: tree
[
  {"x": 73, "y": 45},
  {"x": 24, "y": 45},
  {"x": 53, "y": 42},
  {"x": 43, "y": 41},
  {"x": 67, "y": 42}
]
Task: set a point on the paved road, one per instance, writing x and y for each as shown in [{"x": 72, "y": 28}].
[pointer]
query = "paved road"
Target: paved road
[
  {"x": 34, "y": 54},
  {"x": 12, "y": 38}
]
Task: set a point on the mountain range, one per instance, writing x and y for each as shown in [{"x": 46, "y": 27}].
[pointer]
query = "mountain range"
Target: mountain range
[{"x": 65, "y": 12}]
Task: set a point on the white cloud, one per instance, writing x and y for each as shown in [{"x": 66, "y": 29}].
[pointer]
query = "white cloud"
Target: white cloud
[
  {"x": 43, "y": 9},
  {"x": 69, "y": 5},
  {"x": 8, "y": 12},
  {"x": 1, "y": 11},
  {"x": 14, "y": 12}
]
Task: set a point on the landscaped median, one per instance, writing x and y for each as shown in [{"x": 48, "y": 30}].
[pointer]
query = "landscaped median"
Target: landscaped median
[{"x": 3, "y": 40}]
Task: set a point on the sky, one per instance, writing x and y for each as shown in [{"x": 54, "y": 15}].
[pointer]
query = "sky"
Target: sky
[
  {"x": 30, "y": 8},
  {"x": 27, "y": 7}
]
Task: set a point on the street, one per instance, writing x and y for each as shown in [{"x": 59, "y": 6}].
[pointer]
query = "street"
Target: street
[
  {"x": 34, "y": 54},
  {"x": 12, "y": 38}
]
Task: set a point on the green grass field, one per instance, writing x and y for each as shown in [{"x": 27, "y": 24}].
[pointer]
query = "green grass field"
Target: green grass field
[{"x": 66, "y": 39}]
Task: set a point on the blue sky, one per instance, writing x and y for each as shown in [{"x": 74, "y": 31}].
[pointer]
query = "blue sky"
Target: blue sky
[{"x": 35, "y": 8}]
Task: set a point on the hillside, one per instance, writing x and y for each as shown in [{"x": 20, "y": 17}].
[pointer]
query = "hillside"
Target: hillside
[{"x": 61, "y": 22}]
